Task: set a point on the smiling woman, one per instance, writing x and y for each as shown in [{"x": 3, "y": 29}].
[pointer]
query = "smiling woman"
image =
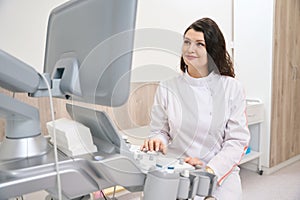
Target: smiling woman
[
  {"x": 209, "y": 46},
  {"x": 200, "y": 114},
  {"x": 194, "y": 53}
]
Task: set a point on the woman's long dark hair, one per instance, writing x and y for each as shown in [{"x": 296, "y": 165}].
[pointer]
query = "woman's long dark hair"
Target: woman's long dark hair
[{"x": 218, "y": 56}]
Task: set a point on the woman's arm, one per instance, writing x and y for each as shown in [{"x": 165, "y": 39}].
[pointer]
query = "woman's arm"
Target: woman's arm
[
  {"x": 236, "y": 138},
  {"x": 159, "y": 136}
]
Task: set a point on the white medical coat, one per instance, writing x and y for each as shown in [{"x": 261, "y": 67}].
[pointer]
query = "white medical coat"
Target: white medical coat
[{"x": 204, "y": 118}]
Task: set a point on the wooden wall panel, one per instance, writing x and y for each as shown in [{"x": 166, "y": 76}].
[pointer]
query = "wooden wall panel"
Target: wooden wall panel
[
  {"x": 2, "y": 121},
  {"x": 285, "y": 118},
  {"x": 136, "y": 112}
]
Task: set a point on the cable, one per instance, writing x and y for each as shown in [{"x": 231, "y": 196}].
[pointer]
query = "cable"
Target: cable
[
  {"x": 103, "y": 195},
  {"x": 114, "y": 193},
  {"x": 54, "y": 139}
]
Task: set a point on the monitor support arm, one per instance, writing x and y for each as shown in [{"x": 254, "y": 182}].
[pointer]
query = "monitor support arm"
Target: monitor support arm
[
  {"x": 22, "y": 120},
  {"x": 65, "y": 80},
  {"x": 22, "y": 132}
]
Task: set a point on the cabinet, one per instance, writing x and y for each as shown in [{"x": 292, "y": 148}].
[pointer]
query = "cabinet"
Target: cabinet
[{"x": 255, "y": 115}]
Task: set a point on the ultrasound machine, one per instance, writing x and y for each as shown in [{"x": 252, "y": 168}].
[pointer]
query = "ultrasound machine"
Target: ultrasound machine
[{"x": 88, "y": 59}]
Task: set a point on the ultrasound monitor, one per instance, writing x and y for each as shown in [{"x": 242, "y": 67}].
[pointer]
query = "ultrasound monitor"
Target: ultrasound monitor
[{"x": 89, "y": 48}]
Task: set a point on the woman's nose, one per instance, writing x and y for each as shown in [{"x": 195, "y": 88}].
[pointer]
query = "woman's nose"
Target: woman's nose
[{"x": 191, "y": 47}]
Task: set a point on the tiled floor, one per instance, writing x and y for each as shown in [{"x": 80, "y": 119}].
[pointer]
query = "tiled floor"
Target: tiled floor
[{"x": 281, "y": 185}]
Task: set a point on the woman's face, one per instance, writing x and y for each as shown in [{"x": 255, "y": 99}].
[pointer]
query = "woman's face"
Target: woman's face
[{"x": 194, "y": 51}]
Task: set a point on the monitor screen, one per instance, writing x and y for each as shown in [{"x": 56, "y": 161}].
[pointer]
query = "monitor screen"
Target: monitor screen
[{"x": 99, "y": 36}]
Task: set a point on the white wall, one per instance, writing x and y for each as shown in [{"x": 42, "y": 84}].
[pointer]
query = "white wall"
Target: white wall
[
  {"x": 253, "y": 43},
  {"x": 23, "y": 29}
]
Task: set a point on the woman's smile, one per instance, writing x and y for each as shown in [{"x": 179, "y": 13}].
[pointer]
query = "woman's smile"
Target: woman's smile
[{"x": 191, "y": 57}]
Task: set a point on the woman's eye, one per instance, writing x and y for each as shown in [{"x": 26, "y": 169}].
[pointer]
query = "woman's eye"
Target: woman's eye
[
  {"x": 199, "y": 44},
  {"x": 186, "y": 42}
]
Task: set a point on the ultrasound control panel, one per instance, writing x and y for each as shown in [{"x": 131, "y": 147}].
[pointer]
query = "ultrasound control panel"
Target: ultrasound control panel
[{"x": 153, "y": 160}]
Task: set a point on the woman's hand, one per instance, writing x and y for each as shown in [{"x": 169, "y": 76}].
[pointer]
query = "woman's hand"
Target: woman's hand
[
  {"x": 194, "y": 161},
  {"x": 154, "y": 145}
]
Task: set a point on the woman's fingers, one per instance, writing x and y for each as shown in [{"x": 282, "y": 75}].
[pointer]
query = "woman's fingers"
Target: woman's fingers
[
  {"x": 193, "y": 161},
  {"x": 150, "y": 145},
  {"x": 154, "y": 145},
  {"x": 144, "y": 146},
  {"x": 187, "y": 159},
  {"x": 163, "y": 148}
]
